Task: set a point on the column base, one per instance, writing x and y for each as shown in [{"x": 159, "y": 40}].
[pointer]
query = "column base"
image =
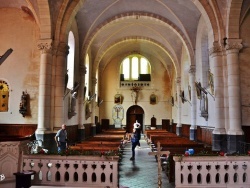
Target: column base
[
  {"x": 219, "y": 142},
  {"x": 233, "y": 145},
  {"x": 170, "y": 128},
  {"x": 193, "y": 134},
  {"x": 81, "y": 134},
  {"x": 93, "y": 130},
  {"x": 179, "y": 131},
  {"x": 48, "y": 141}
]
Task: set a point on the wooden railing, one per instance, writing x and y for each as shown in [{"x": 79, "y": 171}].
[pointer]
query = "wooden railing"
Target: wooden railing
[
  {"x": 73, "y": 171},
  {"x": 212, "y": 171}
]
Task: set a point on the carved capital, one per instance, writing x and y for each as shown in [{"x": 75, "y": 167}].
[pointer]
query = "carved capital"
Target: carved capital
[
  {"x": 94, "y": 81},
  {"x": 45, "y": 46},
  {"x": 216, "y": 49},
  {"x": 62, "y": 49},
  {"x": 233, "y": 45},
  {"x": 83, "y": 69},
  {"x": 178, "y": 81},
  {"x": 192, "y": 69}
]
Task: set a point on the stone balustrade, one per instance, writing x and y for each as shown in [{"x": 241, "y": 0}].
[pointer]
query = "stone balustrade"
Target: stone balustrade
[
  {"x": 73, "y": 171},
  {"x": 212, "y": 171}
]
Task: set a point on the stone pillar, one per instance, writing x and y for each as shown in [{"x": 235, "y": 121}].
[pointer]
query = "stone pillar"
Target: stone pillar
[
  {"x": 61, "y": 66},
  {"x": 93, "y": 104},
  {"x": 219, "y": 132},
  {"x": 193, "y": 128},
  {"x": 179, "y": 125},
  {"x": 44, "y": 131},
  {"x": 81, "y": 128},
  {"x": 170, "y": 116},
  {"x": 235, "y": 133}
]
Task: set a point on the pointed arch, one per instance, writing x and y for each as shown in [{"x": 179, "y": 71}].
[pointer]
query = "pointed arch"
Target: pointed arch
[{"x": 233, "y": 15}]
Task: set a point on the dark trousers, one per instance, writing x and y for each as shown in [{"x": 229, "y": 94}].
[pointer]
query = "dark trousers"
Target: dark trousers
[
  {"x": 62, "y": 147},
  {"x": 133, "y": 148}
]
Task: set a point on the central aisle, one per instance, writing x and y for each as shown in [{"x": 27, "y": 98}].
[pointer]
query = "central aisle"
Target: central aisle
[{"x": 141, "y": 173}]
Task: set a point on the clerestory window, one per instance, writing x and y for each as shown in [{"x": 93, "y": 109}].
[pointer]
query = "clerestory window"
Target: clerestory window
[{"x": 135, "y": 68}]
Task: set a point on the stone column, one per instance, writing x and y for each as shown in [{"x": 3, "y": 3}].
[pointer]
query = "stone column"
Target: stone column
[
  {"x": 179, "y": 125},
  {"x": 235, "y": 133},
  {"x": 193, "y": 128},
  {"x": 219, "y": 132},
  {"x": 93, "y": 103},
  {"x": 44, "y": 99},
  {"x": 81, "y": 128},
  {"x": 61, "y": 65}
]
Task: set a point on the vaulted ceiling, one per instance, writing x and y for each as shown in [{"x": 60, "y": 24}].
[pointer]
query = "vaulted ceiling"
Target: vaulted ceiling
[{"x": 114, "y": 28}]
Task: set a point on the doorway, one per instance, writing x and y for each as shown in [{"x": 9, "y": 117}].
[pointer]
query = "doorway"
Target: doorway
[{"x": 134, "y": 113}]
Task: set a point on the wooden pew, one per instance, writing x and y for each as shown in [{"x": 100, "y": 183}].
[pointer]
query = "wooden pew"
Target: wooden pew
[
  {"x": 95, "y": 148},
  {"x": 110, "y": 140},
  {"x": 148, "y": 132},
  {"x": 176, "y": 145}
]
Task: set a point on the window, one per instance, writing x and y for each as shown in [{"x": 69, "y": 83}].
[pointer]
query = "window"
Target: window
[
  {"x": 135, "y": 68},
  {"x": 87, "y": 76},
  {"x": 70, "y": 60},
  {"x": 4, "y": 96}
]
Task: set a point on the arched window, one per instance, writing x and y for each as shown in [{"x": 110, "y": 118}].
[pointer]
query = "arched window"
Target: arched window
[
  {"x": 71, "y": 60},
  {"x": 87, "y": 75},
  {"x": 97, "y": 86},
  {"x": 4, "y": 96},
  {"x": 135, "y": 68}
]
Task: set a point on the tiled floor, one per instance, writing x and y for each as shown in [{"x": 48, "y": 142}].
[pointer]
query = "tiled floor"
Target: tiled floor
[{"x": 141, "y": 173}]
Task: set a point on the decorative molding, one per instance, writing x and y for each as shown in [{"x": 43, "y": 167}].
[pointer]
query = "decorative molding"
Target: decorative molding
[
  {"x": 45, "y": 46},
  {"x": 83, "y": 69},
  {"x": 233, "y": 45},
  {"x": 62, "y": 49}
]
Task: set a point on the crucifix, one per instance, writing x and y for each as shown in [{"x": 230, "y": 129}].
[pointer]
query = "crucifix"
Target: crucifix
[{"x": 159, "y": 153}]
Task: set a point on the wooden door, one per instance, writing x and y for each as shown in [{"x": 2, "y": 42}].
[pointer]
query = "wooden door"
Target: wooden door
[{"x": 134, "y": 113}]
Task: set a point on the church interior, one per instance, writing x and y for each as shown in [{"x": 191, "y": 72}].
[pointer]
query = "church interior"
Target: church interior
[{"x": 173, "y": 65}]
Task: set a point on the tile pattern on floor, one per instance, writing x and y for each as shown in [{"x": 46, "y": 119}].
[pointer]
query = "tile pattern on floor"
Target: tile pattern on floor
[{"x": 141, "y": 173}]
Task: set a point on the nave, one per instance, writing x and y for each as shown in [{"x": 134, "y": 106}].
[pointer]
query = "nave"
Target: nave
[{"x": 141, "y": 173}]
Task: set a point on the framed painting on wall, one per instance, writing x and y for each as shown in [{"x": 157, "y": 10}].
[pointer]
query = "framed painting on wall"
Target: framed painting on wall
[
  {"x": 118, "y": 99},
  {"x": 153, "y": 99}
]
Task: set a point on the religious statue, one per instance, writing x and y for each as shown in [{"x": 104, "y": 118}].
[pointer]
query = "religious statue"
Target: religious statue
[
  {"x": 134, "y": 94},
  {"x": 204, "y": 105},
  {"x": 72, "y": 104}
]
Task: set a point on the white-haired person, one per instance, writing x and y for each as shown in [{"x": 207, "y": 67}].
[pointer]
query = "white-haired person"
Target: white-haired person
[{"x": 137, "y": 127}]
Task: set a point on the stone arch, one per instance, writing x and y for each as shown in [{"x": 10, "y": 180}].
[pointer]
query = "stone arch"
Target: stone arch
[
  {"x": 172, "y": 56},
  {"x": 157, "y": 18},
  {"x": 134, "y": 113},
  {"x": 66, "y": 15},
  {"x": 45, "y": 22},
  {"x": 233, "y": 15}
]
